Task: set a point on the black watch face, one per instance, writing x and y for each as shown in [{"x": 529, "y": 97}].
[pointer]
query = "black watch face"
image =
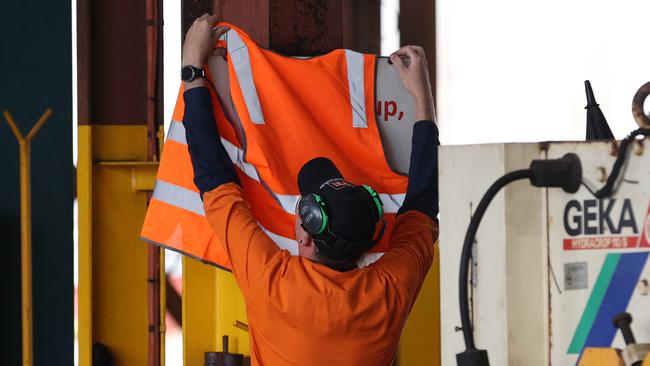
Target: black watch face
[{"x": 187, "y": 73}]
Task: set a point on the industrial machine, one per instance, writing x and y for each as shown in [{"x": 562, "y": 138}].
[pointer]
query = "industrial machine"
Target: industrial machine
[{"x": 549, "y": 269}]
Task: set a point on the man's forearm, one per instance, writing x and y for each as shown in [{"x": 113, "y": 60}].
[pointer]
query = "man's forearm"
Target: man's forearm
[
  {"x": 424, "y": 109},
  {"x": 422, "y": 191},
  {"x": 211, "y": 163}
]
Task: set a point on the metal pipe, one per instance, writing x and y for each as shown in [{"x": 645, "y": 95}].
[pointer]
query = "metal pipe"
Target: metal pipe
[
  {"x": 155, "y": 318},
  {"x": 26, "y": 231}
]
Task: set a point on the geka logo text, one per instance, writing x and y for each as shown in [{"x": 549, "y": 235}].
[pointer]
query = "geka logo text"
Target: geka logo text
[{"x": 600, "y": 217}]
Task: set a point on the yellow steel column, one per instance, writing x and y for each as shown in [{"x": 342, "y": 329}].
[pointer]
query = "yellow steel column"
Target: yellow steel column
[
  {"x": 84, "y": 201},
  {"x": 199, "y": 311},
  {"x": 213, "y": 306},
  {"x": 420, "y": 343},
  {"x": 231, "y": 317},
  {"x": 26, "y": 231},
  {"x": 119, "y": 257},
  {"x": 113, "y": 181}
]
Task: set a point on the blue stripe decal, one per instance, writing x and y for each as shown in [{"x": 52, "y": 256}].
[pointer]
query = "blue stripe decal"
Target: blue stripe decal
[{"x": 616, "y": 299}]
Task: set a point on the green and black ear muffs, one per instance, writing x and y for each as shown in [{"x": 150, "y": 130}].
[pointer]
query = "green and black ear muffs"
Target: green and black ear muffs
[
  {"x": 313, "y": 211},
  {"x": 375, "y": 198}
]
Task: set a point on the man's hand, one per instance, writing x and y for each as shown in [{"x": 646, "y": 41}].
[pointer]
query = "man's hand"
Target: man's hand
[
  {"x": 415, "y": 77},
  {"x": 199, "y": 44}
]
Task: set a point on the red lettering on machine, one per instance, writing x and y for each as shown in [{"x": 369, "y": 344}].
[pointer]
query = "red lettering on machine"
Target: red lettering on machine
[{"x": 594, "y": 217}]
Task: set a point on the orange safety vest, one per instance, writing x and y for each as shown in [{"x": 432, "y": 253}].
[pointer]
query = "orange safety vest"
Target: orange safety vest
[{"x": 282, "y": 112}]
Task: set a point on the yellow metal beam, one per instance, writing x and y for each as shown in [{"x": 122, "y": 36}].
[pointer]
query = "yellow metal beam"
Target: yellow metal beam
[
  {"x": 213, "y": 306},
  {"x": 199, "y": 311},
  {"x": 231, "y": 317},
  {"x": 420, "y": 343},
  {"x": 112, "y": 184},
  {"x": 84, "y": 204}
]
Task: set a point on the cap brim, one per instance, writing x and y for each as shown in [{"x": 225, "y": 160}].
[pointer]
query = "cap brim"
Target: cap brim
[{"x": 314, "y": 173}]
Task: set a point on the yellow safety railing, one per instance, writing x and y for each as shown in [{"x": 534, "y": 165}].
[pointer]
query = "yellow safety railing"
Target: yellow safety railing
[{"x": 26, "y": 230}]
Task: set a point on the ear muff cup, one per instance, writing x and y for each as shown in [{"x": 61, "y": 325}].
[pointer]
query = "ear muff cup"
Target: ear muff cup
[
  {"x": 375, "y": 197},
  {"x": 311, "y": 209}
]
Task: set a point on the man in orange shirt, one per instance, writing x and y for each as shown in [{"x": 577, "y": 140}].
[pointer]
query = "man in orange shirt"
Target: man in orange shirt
[{"x": 319, "y": 308}]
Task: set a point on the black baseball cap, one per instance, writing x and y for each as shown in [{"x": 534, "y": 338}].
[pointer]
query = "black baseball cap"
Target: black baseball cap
[{"x": 351, "y": 210}]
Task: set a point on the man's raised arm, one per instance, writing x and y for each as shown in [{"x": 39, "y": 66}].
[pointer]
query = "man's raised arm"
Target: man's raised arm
[
  {"x": 422, "y": 191},
  {"x": 416, "y": 229},
  {"x": 228, "y": 213}
]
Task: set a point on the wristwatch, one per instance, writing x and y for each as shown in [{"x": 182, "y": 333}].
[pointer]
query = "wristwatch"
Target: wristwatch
[{"x": 191, "y": 73}]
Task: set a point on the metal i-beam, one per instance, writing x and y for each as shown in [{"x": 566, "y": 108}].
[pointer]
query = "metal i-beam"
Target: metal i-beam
[{"x": 115, "y": 175}]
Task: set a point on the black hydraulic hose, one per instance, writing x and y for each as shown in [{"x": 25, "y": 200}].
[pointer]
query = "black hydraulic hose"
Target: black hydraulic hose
[
  {"x": 608, "y": 188},
  {"x": 468, "y": 333}
]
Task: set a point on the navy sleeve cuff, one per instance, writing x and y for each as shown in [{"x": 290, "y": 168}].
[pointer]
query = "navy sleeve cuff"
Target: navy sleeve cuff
[
  {"x": 211, "y": 163},
  {"x": 425, "y": 132},
  {"x": 422, "y": 191}
]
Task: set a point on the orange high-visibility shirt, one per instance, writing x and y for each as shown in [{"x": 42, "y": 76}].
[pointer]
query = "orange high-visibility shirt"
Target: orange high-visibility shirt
[{"x": 304, "y": 313}]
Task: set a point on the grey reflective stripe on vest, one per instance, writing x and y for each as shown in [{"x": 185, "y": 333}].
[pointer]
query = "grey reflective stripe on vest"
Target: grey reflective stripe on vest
[
  {"x": 356, "y": 74},
  {"x": 392, "y": 202},
  {"x": 178, "y": 196},
  {"x": 282, "y": 242},
  {"x": 191, "y": 201},
  {"x": 287, "y": 201},
  {"x": 176, "y": 132},
  {"x": 242, "y": 64},
  {"x": 368, "y": 259}
]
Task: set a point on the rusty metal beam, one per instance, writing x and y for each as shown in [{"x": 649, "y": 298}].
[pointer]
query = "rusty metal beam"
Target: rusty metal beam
[
  {"x": 112, "y": 74},
  {"x": 297, "y": 27},
  {"x": 305, "y": 27},
  {"x": 417, "y": 26},
  {"x": 361, "y": 25},
  {"x": 192, "y": 9}
]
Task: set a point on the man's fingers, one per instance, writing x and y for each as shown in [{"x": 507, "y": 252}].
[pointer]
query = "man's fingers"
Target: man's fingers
[
  {"x": 400, "y": 52},
  {"x": 413, "y": 52},
  {"x": 397, "y": 61},
  {"x": 212, "y": 19},
  {"x": 219, "y": 51},
  {"x": 219, "y": 31},
  {"x": 419, "y": 50},
  {"x": 204, "y": 16}
]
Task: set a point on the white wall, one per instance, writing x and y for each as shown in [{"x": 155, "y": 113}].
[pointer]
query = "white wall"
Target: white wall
[{"x": 512, "y": 70}]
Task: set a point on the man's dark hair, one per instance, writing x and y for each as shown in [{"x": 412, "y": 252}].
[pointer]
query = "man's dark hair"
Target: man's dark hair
[{"x": 341, "y": 265}]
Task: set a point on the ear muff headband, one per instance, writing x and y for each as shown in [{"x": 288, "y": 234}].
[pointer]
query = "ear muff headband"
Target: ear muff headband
[
  {"x": 377, "y": 200},
  {"x": 311, "y": 209}
]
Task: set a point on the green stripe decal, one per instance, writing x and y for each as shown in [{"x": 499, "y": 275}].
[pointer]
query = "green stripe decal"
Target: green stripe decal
[{"x": 593, "y": 305}]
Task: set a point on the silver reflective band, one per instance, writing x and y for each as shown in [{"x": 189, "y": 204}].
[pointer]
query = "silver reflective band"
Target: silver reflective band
[
  {"x": 178, "y": 196},
  {"x": 191, "y": 201},
  {"x": 236, "y": 155},
  {"x": 368, "y": 258},
  {"x": 176, "y": 132},
  {"x": 282, "y": 242},
  {"x": 288, "y": 202},
  {"x": 242, "y": 64},
  {"x": 392, "y": 202},
  {"x": 356, "y": 74}
]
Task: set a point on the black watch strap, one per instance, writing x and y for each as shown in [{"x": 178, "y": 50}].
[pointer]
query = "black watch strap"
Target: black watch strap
[{"x": 191, "y": 73}]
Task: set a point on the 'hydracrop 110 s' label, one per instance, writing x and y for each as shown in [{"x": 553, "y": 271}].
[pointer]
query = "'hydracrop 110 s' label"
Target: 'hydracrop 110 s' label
[{"x": 604, "y": 224}]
